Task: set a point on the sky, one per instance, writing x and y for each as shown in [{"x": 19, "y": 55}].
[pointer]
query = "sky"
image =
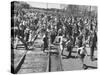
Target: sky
[
  {"x": 44, "y": 5},
  {"x": 51, "y": 5}
]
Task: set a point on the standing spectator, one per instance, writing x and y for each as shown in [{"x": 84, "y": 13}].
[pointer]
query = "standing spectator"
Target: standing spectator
[
  {"x": 69, "y": 46},
  {"x": 80, "y": 40},
  {"x": 45, "y": 40},
  {"x": 27, "y": 34},
  {"x": 53, "y": 36},
  {"x": 93, "y": 41}
]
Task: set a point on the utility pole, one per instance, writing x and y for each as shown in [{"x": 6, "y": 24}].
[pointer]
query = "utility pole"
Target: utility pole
[{"x": 49, "y": 54}]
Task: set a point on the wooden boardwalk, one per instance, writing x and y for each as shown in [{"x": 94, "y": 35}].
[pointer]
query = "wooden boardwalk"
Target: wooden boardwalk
[{"x": 34, "y": 61}]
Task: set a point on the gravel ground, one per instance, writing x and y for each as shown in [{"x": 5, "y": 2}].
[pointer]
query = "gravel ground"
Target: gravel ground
[
  {"x": 36, "y": 60},
  {"x": 76, "y": 64}
]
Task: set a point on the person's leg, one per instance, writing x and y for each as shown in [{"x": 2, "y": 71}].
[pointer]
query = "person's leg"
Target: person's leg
[
  {"x": 70, "y": 51},
  {"x": 30, "y": 36},
  {"x": 82, "y": 60},
  {"x": 92, "y": 52},
  {"x": 16, "y": 42},
  {"x": 26, "y": 38},
  {"x": 62, "y": 50},
  {"x": 53, "y": 38},
  {"x": 74, "y": 40},
  {"x": 43, "y": 49}
]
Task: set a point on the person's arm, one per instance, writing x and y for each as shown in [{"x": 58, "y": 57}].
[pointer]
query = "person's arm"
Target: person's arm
[
  {"x": 85, "y": 51},
  {"x": 55, "y": 39},
  {"x": 67, "y": 42}
]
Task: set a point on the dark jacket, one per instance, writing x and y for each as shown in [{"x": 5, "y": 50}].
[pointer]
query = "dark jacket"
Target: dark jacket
[{"x": 45, "y": 39}]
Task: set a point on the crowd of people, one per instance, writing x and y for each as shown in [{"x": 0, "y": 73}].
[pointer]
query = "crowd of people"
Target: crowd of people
[{"x": 68, "y": 31}]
